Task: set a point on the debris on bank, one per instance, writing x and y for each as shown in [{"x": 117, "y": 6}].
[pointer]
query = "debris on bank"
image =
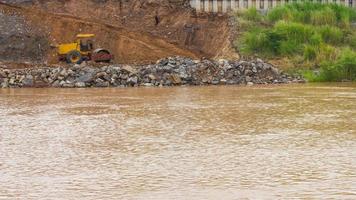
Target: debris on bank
[{"x": 172, "y": 71}]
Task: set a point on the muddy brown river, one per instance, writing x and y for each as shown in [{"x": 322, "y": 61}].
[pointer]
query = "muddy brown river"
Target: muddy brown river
[{"x": 260, "y": 142}]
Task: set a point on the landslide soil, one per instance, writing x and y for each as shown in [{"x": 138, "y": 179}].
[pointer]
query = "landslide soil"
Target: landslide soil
[{"x": 137, "y": 31}]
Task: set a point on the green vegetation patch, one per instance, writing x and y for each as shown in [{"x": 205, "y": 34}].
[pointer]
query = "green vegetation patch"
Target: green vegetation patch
[{"x": 314, "y": 36}]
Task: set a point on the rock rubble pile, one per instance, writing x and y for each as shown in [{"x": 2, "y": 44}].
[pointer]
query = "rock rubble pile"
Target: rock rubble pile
[{"x": 171, "y": 71}]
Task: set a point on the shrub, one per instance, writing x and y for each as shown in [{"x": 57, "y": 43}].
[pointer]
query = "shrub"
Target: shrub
[
  {"x": 344, "y": 15},
  {"x": 254, "y": 41},
  {"x": 326, "y": 53},
  {"x": 347, "y": 64},
  {"x": 351, "y": 40},
  {"x": 313, "y": 13},
  {"x": 310, "y": 52},
  {"x": 311, "y": 76},
  {"x": 294, "y": 31},
  {"x": 316, "y": 39},
  {"x": 343, "y": 68},
  {"x": 323, "y": 17},
  {"x": 279, "y": 13},
  {"x": 344, "y": 19},
  {"x": 252, "y": 14},
  {"x": 274, "y": 40},
  {"x": 289, "y": 47},
  {"x": 331, "y": 34}
]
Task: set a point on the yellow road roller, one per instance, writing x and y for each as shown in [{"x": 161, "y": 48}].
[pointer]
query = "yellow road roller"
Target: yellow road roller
[{"x": 82, "y": 49}]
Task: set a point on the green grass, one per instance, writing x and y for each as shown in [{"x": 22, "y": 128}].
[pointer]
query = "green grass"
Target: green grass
[
  {"x": 252, "y": 14},
  {"x": 321, "y": 35},
  {"x": 341, "y": 69},
  {"x": 331, "y": 34}
]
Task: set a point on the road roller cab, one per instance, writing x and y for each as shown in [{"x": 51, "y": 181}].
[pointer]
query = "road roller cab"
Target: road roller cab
[{"x": 83, "y": 49}]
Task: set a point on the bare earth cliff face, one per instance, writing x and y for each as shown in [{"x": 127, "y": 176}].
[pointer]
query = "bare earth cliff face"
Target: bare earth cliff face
[{"x": 137, "y": 31}]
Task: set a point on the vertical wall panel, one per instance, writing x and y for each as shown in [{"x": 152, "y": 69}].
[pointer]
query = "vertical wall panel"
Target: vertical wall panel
[
  {"x": 233, "y": 4},
  {"x": 265, "y": 4},
  {"x": 206, "y": 5},
  {"x": 258, "y": 4},
  {"x": 198, "y": 5},
  {"x": 215, "y": 6},
  {"x": 219, "y": 6},
  {"x": 227, "y": 5},
  {"x": 241, "y": 4},
  {"x": 224, "y": 6},
  {"x": 211, "y": 5}
]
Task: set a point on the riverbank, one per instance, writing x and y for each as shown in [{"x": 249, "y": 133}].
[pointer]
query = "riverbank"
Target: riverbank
[{"x": 172, "y": 71}]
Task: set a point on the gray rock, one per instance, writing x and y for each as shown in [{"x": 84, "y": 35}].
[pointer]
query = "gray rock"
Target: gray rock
[
  {"x": 68, "y": 85},
  {"x": 63, "y": 73},
  {"x": 215, "y": 82},
  {"x": 132, "y": 80},
  {"x": 275, "y": 70},
  {"x": 169, "y": 71},
  {"x": 231, "y": 82},
  {"x": 183, "y": 73},
  {"x": 259, "y": 66},
  {"x": 87, "y": 77},
  {"x": 152, "y": 77},
  {"x": 68, "y": 81},
  {"x": 99, "y": 80},
  {"x": 129, "y": 69},
  {"x": 12, "y": 81},
  {"x": 222, "y": 73},
  {"x": 266, "y": 66},
  {"x": 28, "y": 81},
  {"x": 248, "y": 79},
  {"x": 20, "y": 78},
  {"x": 80, "y": 85},
  {"x": 223, "y": 81},
  {"x": 168, "y": 83},
  {"x": 114, "y": 77},
  {"x": 61, "y": 83},
  {"x": 237, "y": 73},
  {"x": 77, "y": 67},
  {"x": 56, "y": 84},
  {"x": 222, "y": 62},
  {"x": 168, "y": 68},
  {"x": 162, "y": 62},
  {"x": 102, "y": 84},
  {"x": 104, "y": 68},
  {"x": 4, "y": 73},
  {"x": 101, "y": 75},
  {"x": 5, "y": 83},
  {"x": 254, "y": 69},
  {"x": 124, "y": 76}
]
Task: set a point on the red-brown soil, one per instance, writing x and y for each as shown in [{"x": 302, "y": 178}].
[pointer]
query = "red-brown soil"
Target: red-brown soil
[{"x": 137, "y": 31}]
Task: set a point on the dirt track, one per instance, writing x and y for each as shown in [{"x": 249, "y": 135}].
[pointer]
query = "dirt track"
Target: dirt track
[{"x": 127, "y": 29}]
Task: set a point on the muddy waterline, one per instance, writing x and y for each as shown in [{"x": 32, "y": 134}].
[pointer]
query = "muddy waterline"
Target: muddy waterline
[{"x": 270, "y": 142}]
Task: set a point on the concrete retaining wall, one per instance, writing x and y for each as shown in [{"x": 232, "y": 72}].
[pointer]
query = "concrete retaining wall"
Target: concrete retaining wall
[{"x": 224, "y": 6}]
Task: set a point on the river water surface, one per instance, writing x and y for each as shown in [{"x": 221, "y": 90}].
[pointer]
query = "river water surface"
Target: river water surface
[{"x": 269, "y": 142}]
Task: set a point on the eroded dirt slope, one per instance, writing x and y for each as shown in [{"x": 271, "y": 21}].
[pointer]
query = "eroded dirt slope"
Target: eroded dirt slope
[
  {"x": 19, "y": 41},
  {"x": 135, "y": 31}
]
